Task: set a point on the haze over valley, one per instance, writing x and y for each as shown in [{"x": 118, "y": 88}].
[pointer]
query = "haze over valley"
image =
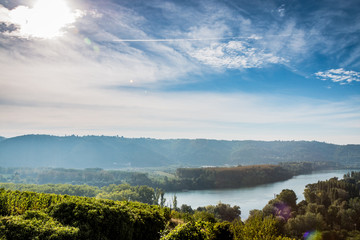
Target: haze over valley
[{"x": 119, "y": 152}]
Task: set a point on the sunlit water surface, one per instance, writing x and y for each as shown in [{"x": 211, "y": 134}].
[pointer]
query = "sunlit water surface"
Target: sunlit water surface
[{"x": 252, "y": 197}]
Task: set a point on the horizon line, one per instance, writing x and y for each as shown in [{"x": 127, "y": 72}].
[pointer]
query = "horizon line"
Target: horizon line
[{"x": 179, "y": 138}]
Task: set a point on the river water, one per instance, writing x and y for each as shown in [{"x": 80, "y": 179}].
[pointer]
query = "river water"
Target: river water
[{"x": 252, "y": 197}]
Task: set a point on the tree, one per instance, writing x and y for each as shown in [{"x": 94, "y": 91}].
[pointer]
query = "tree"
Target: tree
[
  {"x": 186, "y": 209},
  {"x": 282, "y": 206},
  {"x": 225, "y": 212},
  {"x": 305, "y": 223},
  {"x": 174, "y": 202},
  {"x": 257, "y": 227},
  {"x": 289, "y": 197},
  {"x": 200, "y": 231}
]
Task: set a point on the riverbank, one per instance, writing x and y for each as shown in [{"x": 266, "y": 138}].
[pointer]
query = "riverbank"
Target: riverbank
[{"x": 250, "y": 198}]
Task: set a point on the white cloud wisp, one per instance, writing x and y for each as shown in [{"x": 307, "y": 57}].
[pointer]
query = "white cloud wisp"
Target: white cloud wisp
[
  {"x": 339, "y": 75},
  {"x": 235, "y": 55}
]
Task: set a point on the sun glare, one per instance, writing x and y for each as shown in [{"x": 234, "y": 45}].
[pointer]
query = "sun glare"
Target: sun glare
[{"x": 45, "y": 20}]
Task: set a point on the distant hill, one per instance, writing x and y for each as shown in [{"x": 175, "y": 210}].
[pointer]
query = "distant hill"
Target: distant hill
[{"x": 118, "y": 152}]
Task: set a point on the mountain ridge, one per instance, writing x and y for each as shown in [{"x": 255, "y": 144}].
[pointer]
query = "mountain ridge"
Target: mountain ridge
[{"x": 113, "y": 152}]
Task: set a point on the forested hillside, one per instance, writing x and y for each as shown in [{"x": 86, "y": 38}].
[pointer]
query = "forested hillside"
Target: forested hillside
[{"x": 119, "y": 152}]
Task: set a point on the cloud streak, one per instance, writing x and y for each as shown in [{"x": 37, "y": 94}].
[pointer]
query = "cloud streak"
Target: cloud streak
[
  {"x": 183, "y": 39},
  {"x": 235, "y": 54},
  {"x": 339, "y": 75}
]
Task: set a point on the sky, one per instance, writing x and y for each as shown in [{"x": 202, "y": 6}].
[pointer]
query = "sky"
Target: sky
[{"x": 215, "y": 69}]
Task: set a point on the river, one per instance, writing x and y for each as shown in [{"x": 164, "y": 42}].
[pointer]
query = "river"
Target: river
[{"x": 252, "y": 197}]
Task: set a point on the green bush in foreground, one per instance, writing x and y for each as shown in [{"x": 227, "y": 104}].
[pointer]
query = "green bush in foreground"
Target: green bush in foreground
[
  {"x": 35, "y": 225},
  {"x": 70, "y": 217},
  {"x": 200, "y": 231}
]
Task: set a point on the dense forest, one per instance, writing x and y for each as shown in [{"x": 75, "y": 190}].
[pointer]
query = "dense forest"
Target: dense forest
[
  {"x": 119, "y": 152},
  {"x": 242, "y": 176},
  {"x": 331, "y": 210},
  {"x": 234, "y": 177}
]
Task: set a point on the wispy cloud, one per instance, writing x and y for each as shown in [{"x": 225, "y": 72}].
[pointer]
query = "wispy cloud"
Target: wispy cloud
[
  {"x": 235, "y": 54},
  {"x": 281, "y": 10},
  {"x": 185, "y": 39},
  {"x": 339, "y": 75},
  {"x": 265, "y": 41}
]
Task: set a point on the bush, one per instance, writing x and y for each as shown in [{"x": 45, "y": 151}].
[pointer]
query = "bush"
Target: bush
[
  {"x": 201, "y": 231},
  {"x": 110, "y": 220},
  {"x": 35, "y": 225}
]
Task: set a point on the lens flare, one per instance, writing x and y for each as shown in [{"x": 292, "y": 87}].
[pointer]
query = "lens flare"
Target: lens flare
[
  {"x": 282, "y": 210},
  {"x": 313, "y": 235},
  {"x": 45, "y": 20}
]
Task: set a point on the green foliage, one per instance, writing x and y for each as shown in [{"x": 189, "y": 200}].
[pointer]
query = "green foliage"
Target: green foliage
[
  {"x": 222, "y": 231},
  {"x": 35, "y": 225},
  {"x": 200, "y": 231},
  {"x": 282, "y": 206},
  {"x": 15, "y": 202},
  {"x": 298, "y": 168},
  {"x": 87, "y": 218},
  {"x": 228, "y": 177},
  {"x": 257, "y": 228},
  {"x": 111, "y": 220},
  {"x": 116, "y": 192},
  {"x": 63, "y": 189},
  {"x": 186, "y": 209},
  {"x": 224, "y": 212},
  {"x": 174, "y": 202},
  {"x": 125, "y": 192},
  {"x": 305, "y": 223},
  {"x": 288, "y": 197},
  {"x": 204, "y": 215},
  {"x": 187, "y": 178},
  {"x": 353, "y": 235},
  {"x": 189, "y": 231},
  {"x": 331, "y": 209}
]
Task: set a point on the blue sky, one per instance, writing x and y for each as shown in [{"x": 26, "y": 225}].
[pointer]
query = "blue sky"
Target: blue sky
[{"x": 261, "y": 70}]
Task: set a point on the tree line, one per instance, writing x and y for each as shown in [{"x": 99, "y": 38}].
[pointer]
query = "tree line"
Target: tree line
[
  {"x": 169, "y": 179},
  {"x": 240, "y": 176},
  {"x": 230, "y": 177},
  {"x": 120, "y": 192}
]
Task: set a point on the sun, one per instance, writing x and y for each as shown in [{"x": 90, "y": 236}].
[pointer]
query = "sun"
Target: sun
[{"x": 47, "y": 19}]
